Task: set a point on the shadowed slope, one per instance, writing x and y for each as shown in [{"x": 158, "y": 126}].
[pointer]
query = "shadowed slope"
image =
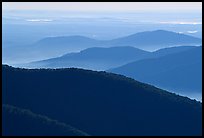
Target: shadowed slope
[
  {"x": 22, "y": 122},
  {"x": 101, "y": 103}
]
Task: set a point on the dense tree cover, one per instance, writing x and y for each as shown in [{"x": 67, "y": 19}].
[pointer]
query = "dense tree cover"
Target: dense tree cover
[
  {"x": 23, "y": 122},
  {"x": 101, "y": 103}
]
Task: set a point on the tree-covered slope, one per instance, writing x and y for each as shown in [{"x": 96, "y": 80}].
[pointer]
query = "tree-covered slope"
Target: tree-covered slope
[
  {"x": 23, "y": 122},
  {"x": 101, "y": 103}
]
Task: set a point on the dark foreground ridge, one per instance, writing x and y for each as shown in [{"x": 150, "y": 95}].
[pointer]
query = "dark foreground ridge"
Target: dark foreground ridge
[
  {"x": 23, "y": 122},
  {"x": 101, "y": 103}
]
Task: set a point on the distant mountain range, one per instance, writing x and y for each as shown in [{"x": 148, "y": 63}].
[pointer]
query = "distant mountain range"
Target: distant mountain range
[
  {"x": 101, "y": 103},
  {"x": 93, "y": 58},
  {"x": 180, "y": 72},
  {"x": 156, "y": 40},
  {"x": 143, "y": 40},
  {"x": 103, "y": 58},
  {"x": 56, "y": 46}
]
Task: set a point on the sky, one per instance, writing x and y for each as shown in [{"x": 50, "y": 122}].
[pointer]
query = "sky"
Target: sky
[
  {"x": 100, "y": 20},
  {"x": 105, "y": 6},
  {"x": 24, "y": 23}
]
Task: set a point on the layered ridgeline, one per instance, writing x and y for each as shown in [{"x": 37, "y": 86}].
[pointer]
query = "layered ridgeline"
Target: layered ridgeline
[
  {"x": 175, "y": 69},
  {"x": 102, "y": 58},
  {"x": 92, "y": 58},
  {"x": 23, "y": 122},
  {"x": 180, "y": 72},
  {"x": 56, "y": 46},
  {"x": 151, "y": 40},
  {"x": 101, "y": 103},
  {"x": 143, "y": 40}
]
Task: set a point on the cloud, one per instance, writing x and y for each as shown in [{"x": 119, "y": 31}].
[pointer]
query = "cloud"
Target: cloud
[
  {"x": 192, "y": 32},
  {"x": 180, "y": 22},
  {"x": 39, "y": 20}
]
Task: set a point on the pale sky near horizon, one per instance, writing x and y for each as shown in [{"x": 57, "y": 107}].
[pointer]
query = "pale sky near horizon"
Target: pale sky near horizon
[{"x": 105, "y": 6}]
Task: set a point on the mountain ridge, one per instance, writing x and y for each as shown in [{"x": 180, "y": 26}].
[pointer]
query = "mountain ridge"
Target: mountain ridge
[
  {"x": 99, "y": 58},
  {"x": 56, "y": 46},
  {"x": 130, "y": 107},
  {"x": 150, "y": 70},
  {"x": 32, "y": 124}
]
